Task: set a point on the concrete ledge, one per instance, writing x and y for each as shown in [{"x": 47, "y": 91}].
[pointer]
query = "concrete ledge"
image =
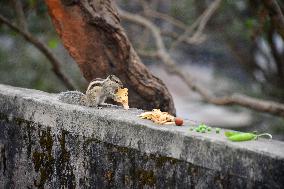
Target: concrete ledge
[{"x": 43, "y": 140}]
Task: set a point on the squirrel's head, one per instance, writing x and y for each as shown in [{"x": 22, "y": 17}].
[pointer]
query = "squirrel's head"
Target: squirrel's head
[
  {"x": 99, "y": 82},
  {"x": 115, "y": 79}
]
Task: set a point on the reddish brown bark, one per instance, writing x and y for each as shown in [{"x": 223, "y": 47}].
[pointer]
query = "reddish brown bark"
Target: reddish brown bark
[{"x": 91, "y": 32}]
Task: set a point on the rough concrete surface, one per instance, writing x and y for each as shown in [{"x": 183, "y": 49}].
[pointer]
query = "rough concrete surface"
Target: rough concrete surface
[{"x": 48, "y": 144}]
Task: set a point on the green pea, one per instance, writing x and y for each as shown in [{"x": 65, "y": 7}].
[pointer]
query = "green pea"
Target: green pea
[
  {"x": 242, "y": 137},
  {"x": 218, "y": 130}
]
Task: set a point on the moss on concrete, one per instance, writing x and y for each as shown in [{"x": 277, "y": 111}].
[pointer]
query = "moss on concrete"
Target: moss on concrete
[
  {"x": 43, "y": 158},
  {"x": 145, "y": 177},
  {"x": 65, "y": 170}
]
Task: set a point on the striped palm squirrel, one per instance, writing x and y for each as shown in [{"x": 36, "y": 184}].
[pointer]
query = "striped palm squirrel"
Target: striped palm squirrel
[{"x": 96, "y": 94}]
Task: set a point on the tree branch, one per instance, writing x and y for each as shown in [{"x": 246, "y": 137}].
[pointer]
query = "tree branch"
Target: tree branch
[
  {"x": 149, "y": 54},
  {"x": 44, "y": 49},
  {"x": 20, "y": 15},
  {"x": 155, "y": 14},
  {"x": 195, "y": 39},
  {"x": 277, "y": 57},
  {"x": 276, "y": 15},
  {"x": 235, "y": 99},
  {"x": 188, "y": 40},
  {"x": 200, "y": 23}
]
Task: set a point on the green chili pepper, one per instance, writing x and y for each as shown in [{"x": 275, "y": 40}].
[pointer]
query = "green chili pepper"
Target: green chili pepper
[
  {"x": 242, "y": 137},
  {"x": 231, "y": 133},
  {"x": 247, "y": 136}
]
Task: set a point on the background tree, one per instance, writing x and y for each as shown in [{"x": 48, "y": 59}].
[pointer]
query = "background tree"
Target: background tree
[{"x": 103, "y": 48}]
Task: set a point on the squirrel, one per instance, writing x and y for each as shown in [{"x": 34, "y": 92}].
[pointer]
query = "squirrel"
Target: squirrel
[{"x": 96, "y": 94}]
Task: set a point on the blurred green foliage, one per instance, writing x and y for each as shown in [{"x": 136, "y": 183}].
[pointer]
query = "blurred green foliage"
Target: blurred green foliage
[
  {"x": 23, "y": 65},
  {"x": 183, "y": 10},
  {"x": 53, "y": 43}
]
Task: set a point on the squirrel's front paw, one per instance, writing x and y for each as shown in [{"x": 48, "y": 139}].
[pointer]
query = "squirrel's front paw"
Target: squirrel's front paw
[
  {"x": 106, "y": 105},
  {"x": 117, "y": 98}
]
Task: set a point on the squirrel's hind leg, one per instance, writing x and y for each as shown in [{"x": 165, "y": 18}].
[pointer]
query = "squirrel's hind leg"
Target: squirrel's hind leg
[
  {"x": 101, "y": 100},
  {"x": 95, "y": 102}
]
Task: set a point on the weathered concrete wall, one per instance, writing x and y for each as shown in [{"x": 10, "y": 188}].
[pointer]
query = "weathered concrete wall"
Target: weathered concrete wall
[{"x": 48, "y": 144}]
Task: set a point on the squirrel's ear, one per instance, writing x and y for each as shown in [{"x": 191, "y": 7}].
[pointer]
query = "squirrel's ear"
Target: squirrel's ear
[{"x": 111, "y": 76}]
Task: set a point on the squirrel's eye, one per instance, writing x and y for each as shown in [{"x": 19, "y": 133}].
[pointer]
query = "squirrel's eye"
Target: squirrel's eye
[{"x": 115, "y": 80}]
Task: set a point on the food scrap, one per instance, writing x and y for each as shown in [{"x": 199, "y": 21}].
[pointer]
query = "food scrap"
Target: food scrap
[
  {"x": 122, "y": 97},
  {"x": 178, "y": 121},
  {"x": 217, "y": 130},
  {"x": 158, "y": 117}
]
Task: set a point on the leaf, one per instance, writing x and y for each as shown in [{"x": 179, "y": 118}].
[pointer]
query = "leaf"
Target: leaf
[
  {"x": 52, "y": 43},
  {"x": 250, "y": 23},
  {"x": 32, "y": 3}
]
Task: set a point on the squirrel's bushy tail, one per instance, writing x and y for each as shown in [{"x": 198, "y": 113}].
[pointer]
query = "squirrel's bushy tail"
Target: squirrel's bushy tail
[{"x": 71, "y": 97}]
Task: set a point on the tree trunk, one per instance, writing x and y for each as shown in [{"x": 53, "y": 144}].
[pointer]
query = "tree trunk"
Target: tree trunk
[{"x": 91, "y": 32}]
